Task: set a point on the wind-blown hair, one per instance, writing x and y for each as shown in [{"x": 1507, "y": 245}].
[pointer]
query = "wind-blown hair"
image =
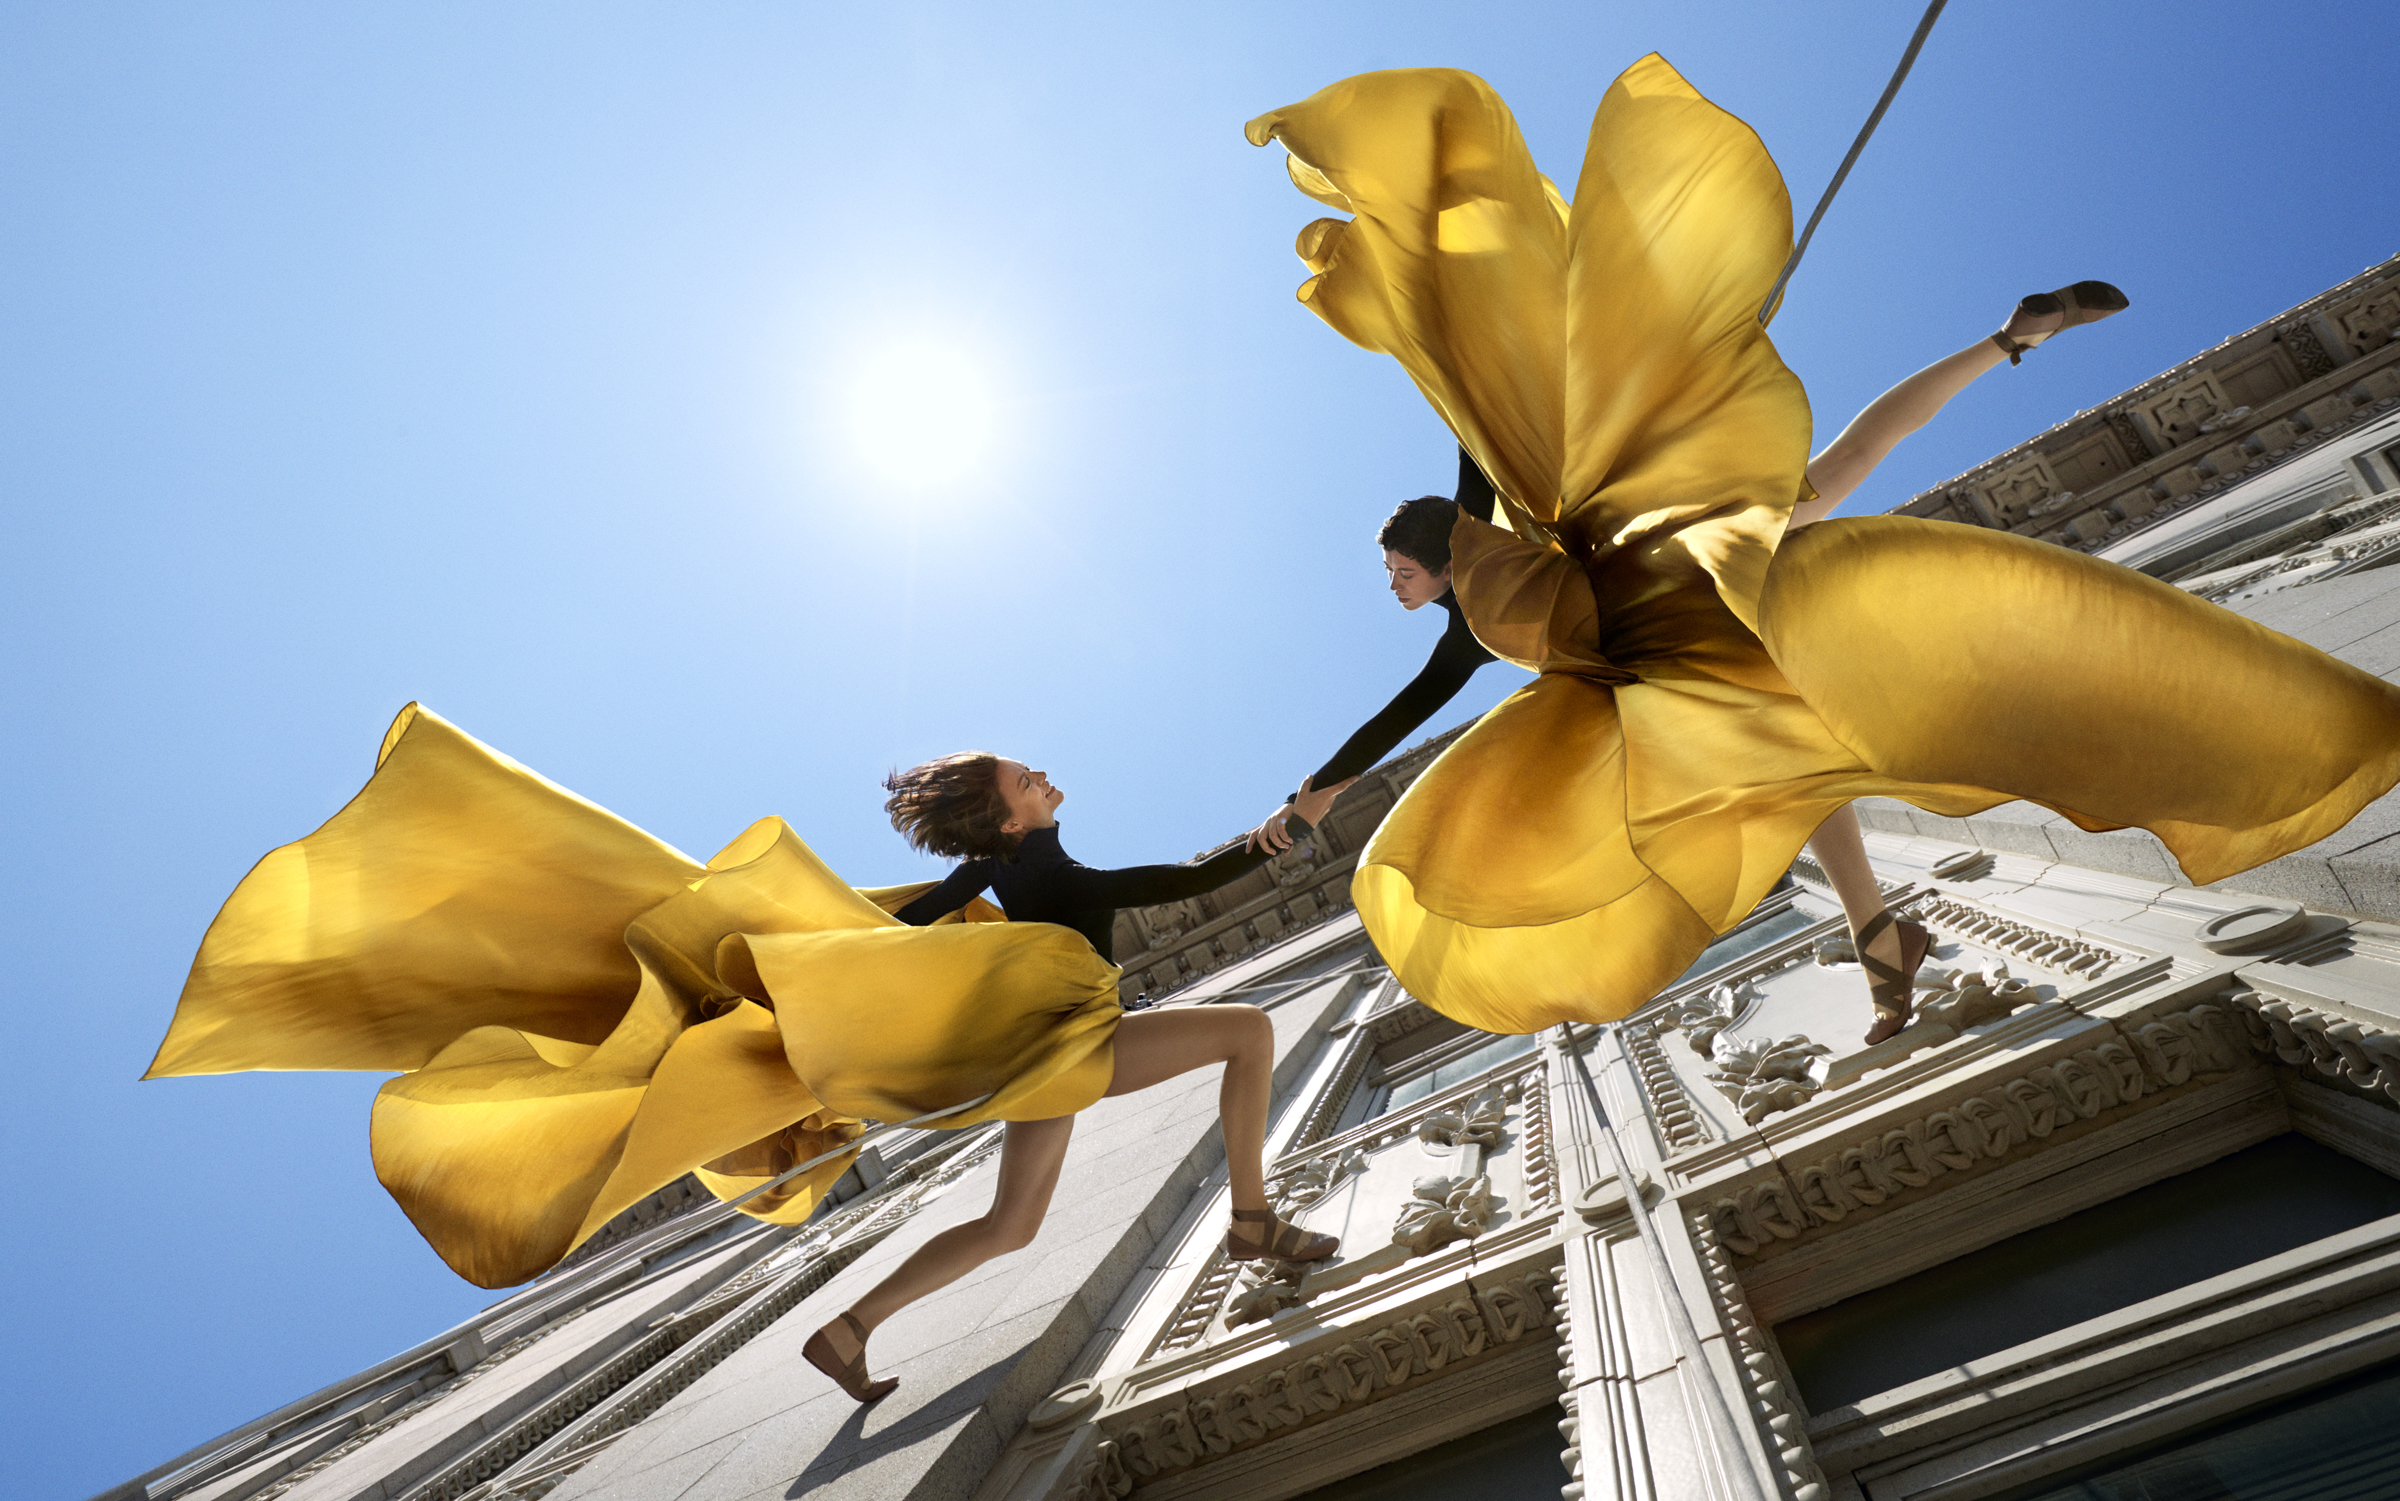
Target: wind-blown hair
[
  {"x": 951, "y": 806},
  {"x": 1420, "y": 529}
]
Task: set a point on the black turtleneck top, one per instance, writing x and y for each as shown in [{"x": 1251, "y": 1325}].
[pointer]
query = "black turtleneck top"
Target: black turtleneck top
[
  {"x": 1046, "y": 884},
  {"x": 1455, "y": 657}
]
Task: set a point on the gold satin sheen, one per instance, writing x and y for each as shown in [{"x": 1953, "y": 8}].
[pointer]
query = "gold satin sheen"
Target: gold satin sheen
[
  {"x": 582, "y": 1014},
  {"x": 1709, "y": 688}
]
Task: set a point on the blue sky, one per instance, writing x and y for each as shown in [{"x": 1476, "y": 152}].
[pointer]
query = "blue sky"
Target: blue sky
[{"x": 505, "y": 357}]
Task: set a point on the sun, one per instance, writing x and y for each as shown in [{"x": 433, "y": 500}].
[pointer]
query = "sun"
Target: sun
[{"x": 922, "y": 413}]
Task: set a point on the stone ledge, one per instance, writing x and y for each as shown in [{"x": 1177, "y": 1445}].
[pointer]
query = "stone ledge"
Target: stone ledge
[{"x": 2336, "y": 875}]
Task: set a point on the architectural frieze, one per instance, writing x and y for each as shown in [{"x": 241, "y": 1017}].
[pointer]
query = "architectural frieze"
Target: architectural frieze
[
  {"x": 1197, "y": 1426},
  {"x": 1773, "y": 1403},
  {"x": 1982, "y": 1127},
  {"x": 2358, "y": 1053},
  {"x": 2266, "y": 394}
]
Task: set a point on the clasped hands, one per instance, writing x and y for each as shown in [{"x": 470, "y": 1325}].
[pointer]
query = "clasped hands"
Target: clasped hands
[{"x": 1310, "y": 807}]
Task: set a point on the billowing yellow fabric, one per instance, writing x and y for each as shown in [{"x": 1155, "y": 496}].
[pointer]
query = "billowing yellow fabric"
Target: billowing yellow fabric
[
  {"x": 583, "y": 1014},
  {"x": 1709, "y": 690}
]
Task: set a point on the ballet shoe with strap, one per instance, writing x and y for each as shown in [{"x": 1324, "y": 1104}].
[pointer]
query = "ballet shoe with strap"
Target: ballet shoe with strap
[
  {"x": 1891, "y": 989},
  {"x": 1277, "y": 1240},
  {"x": 2045, "y": 315},
  {"x": 850, "y": 1375}
]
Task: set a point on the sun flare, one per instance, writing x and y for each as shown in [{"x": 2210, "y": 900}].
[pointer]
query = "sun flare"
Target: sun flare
[{"x": 922, "y": 413}]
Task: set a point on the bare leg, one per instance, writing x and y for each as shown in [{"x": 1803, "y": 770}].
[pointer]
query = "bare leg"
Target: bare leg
[
  {"x": 1873, "y": 433},
  {"x": 1030, "y": 1157},
  {"x": 1153, "y": 1046},
  {"x": 1843, "y": 854}
]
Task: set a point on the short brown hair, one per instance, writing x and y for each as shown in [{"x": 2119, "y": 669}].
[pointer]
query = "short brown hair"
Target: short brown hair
[
  {"x": 1420, "y": 529},
  {"x": 951, "y": 806}
]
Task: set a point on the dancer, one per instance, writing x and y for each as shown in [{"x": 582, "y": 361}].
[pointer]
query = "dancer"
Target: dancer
[
  {"x": 996, "y": 817},
  {"x": 1711, "y": 690},
  {"x": 580, "y": 1014},
  {"x": 1416, "y": 544}
]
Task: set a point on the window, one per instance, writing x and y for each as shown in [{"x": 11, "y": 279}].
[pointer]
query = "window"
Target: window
[
  {"x": 2339, "y": 1443},
  {"x": 1457, "y": 1071},
  {"x": 1518, "y": 1460},
  {"x": 1748, "y": 938},
  {"x": 2242, "y": 1208}
]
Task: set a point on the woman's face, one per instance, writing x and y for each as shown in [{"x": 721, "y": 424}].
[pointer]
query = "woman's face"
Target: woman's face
[
  {"x": 1412, "y": 585},
  {"x": 1029, "y": 796}
]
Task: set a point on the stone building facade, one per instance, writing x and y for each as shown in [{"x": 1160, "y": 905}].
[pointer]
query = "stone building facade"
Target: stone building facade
[{"x": 2118, "y": 1216}]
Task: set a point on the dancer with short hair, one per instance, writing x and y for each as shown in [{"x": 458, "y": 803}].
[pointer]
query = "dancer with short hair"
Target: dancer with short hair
[
  {"x": 1416, "y": 559},
  {"x": 1715, "y": 683}
]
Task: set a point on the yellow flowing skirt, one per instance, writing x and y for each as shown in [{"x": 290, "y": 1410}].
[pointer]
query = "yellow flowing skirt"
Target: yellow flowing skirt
[
  {"x": 582, "y": 1014},
  {"x": 1711, "y": 689}
]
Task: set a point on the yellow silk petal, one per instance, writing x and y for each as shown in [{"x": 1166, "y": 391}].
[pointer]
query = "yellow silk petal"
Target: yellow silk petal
[
  {"x": 1707, "y": 699},
  {"x": 1454, "y": 262},
  {"x": 1951, "y": 653},
  {"x": 457, "y": 890},
  {"x": 896, "y": 1023},
  {"x": 690, "y": 1011}
]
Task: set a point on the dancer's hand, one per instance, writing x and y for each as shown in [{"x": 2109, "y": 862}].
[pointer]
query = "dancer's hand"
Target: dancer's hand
[{"x": 1310, "y": 806}]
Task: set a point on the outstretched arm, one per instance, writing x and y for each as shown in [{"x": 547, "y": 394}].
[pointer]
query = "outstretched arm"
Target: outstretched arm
[
  {"x": 1873, "y": 433},
  {"x": 1148, "y": 885},
  {"x": 1454, "y": 660},
  {"x": 958, "y": 888}
]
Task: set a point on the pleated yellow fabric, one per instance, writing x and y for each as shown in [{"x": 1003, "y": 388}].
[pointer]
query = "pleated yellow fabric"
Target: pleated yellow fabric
[
  {"x": 1709, "y": 691},
  {"x": 583, "y": 1014}
]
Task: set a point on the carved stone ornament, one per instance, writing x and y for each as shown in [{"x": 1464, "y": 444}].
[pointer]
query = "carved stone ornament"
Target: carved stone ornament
[
  {"x": 1267, "y": 1289},
  {"x": 1762, "y": 1077},
  {"x": 1316, "y": 1178},
  {"x": 2052, "y": 951},
  {"x": 1965, "y": 996},
  {"x": 1981, "y": 1128},
  {"x": 2253, "y": 930},
  {"x": 1198, "y": 1426},
  {"x": 1603, "y": 1202},
  {"x": 2334, "y": 1046},
  {"x": 1479, "y": 1122},
  {"x": 1442, "y": 1210},
  {"x": 1068, "y": 1404}
]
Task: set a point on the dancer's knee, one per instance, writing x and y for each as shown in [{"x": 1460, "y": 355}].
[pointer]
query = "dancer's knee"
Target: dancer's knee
[
  {"x": 1254, "y": 1028},
  {"x": 1004, "y": 1232}
]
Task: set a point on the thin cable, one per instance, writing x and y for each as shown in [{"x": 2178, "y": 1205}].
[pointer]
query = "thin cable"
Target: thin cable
[
  {"x": 1908, "y": 59},
  {"x": 1679, "y": 1317}
]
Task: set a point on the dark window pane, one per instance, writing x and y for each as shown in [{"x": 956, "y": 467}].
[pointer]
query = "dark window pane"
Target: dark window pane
[
  {"x": 2339, "y": 1443},
  {"x": 1741, "y": 941},
  {"x": 2239, "y": 1209},
  {"x": 1513, "y": 1461},
  {"x": 1498, "y": 1051}
]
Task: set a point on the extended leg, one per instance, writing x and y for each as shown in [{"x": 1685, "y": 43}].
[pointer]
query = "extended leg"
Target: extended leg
[
  {"x": 1154, "y": 1046},
  {"x": 1884, "y": 945},
  {"x": 1157, "y": 1045},
  {"x": 1030, "y": 1156},
  {"x": 1873, "y": 433}
]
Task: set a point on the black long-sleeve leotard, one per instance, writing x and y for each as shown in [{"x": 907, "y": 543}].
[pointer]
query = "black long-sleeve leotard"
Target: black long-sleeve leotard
[
  {"x": 1455, "y": 657},
  {"x": 1046, "y": 884}
]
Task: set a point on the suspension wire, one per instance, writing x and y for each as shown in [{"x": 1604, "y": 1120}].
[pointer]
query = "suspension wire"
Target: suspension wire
[
  {"x": 1908, "y": 59},
  {"x": 1680, "y": 1327}
]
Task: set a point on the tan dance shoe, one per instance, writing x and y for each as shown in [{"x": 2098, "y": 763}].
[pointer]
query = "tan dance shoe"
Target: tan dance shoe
[
  {"x": 1279, "y": 1240},
  {"x": 1893, "y": 990},
  {"x": 851, "y": 1375},
  {"x": 2045, "y": 315}
]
